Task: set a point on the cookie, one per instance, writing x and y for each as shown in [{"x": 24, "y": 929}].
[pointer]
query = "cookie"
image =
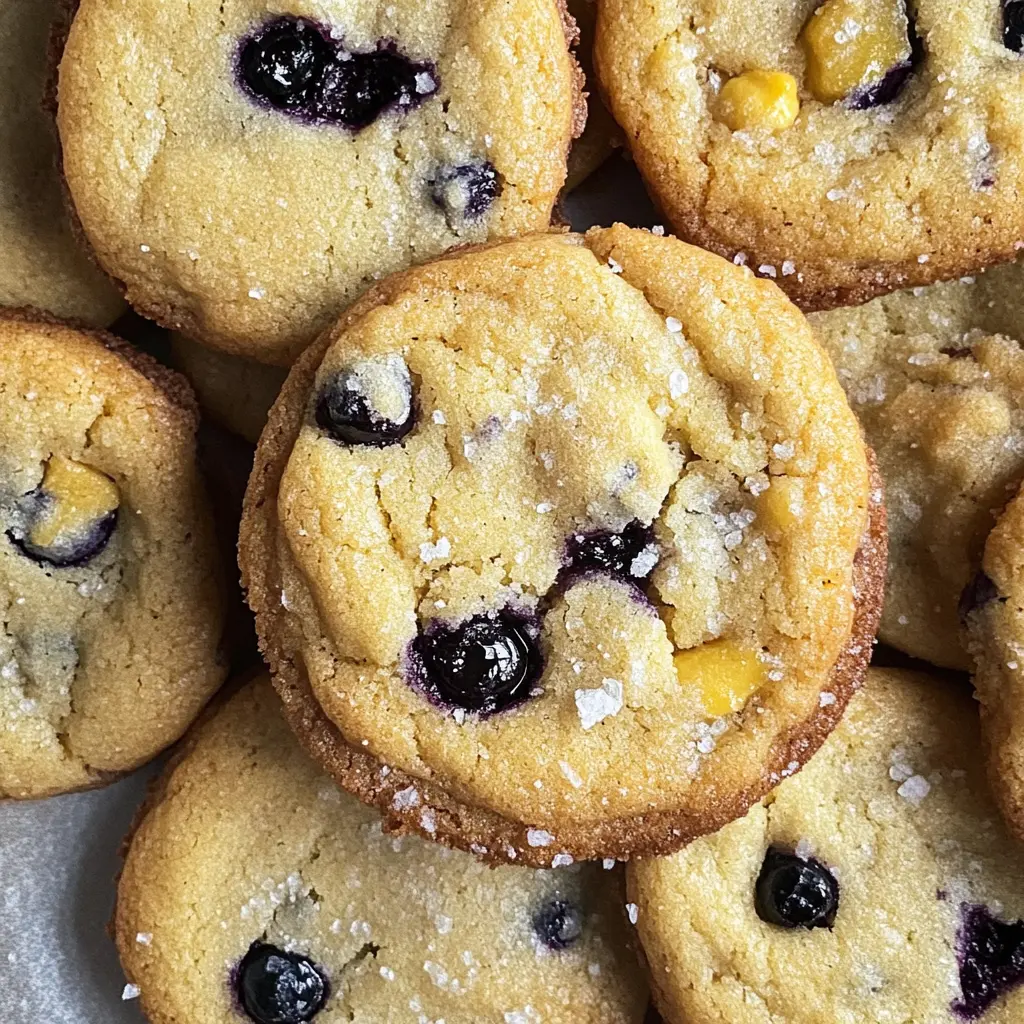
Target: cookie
[
  {"x": 246, "y": 169},
  {"x": 553, "y": 546},
  {"x": 878, "y": 885},
  {"x": 109, "y": 585},
  {"x": 602, "y": 136},
  {"x": 254, "y": 890},
  {"x": 233, "y": 391},
  {"x": 43, "y": 265},
  {"x": 993, "y": 611},
  {"x": 844, "y": 148},
  {"x": 936, "y": 376}
]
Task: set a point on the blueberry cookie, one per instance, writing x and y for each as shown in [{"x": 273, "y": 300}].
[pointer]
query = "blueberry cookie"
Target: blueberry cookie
[
  {"x": 936, "y": 376},
  {"x": 844, "y": 148},
  {"x": 878, "y": 885},
  {"x": 43, "y": 265},
  {"x": 109, "y": 591},
  {"x": 233, "y": 391},
  {"x": 254, "y": 890},
  {"x": 246, "y": 168},
  {"x": 566, "y": 547},
  {"x": 993, "y": 611}
]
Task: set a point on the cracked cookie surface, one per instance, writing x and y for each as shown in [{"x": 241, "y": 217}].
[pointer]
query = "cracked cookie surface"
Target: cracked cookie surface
[
  {"x": 246, "y": 170},
  {"x": 109, "y": 589},
  {"x": 895, "y": 808},
  {"x": 43, "y": 264},
  {"x": 556, "y": 542},
  {"x": 245, "y": 845},
  {"x": 936, "y": 377},
  {"x": 883, "y": 151}
]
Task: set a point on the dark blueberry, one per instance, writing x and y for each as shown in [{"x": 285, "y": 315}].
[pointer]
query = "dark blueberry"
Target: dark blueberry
[
  {"x": 558, "y": 924},
  {"x": 465, "y": 193},
  {"x": 486, "y": 664},
  {"x": 283, "y": 61},
  {"x": 892, "y": 83},
  {"x": 796, "y": 893},
  {"x": 631, "y": 554},
  {"x": 978, "y": 593},
  {"x": 991, "y": 955},
  {"x": 357, "y": 88},
  {"x": 277, "y": 987},
  {"x": 344, "y": 412},
  {"x": 68, "y": 549},
  {"x": 1013, "y": 25}
]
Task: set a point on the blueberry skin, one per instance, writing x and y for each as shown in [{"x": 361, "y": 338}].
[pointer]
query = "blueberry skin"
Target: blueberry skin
[
  {"x": 978, "y": 593},
  {"x": 282, "y": 62},
  {"x": 80, "y": 551},
  {"x": 344, "y": 414},
  {"x": 1013, "y": 25},
  {"x": 277, "y": 987},
  {"x": 479, "y": 183},
  {"x": 794, "y": 893},
  {"x": 558, "y": 925},
  {"x": 487, "y": 664},
  {"x": 892, "y": 83},
  {"x": 991, "y": 957},
  {"x": 601, "y": 551}
]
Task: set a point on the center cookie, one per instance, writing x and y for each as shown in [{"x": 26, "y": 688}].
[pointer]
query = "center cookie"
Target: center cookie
[
  {"x": 554, "y": 546},
  {"x": 246, "y": 169}
]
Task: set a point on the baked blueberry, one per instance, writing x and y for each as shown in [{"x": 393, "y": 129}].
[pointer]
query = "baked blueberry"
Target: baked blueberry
[
  {"x": 796, "y": 893},
  {"x": 369, "y": 403},
  {"x": 278, "y": 987},
  {"x": 69, "y": 519},
  {"x": 486, "y": 664},
  {"x": 558, "y": 924},
  {"x": 356, "y": 88},
  {"x": 991, "y": 956},
  {"x": 978, "y": 593},
  {"x": 1013, "y": 25},
  {"x": 630, "y": 554},
  {"x": 283, "y": 61},
  {"x": 465, "y": 193}
]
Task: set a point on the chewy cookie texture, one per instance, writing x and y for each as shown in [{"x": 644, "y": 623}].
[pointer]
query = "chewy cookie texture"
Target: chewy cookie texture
[
  {"x": 246, "y": 171},
  {"x": 566, "y": 547},
  {"x": 843, "y": 148},
  {"x": 936, "y": 377},
  {"x": 112, "y": 606},
  {"x": 42, "y": 265},
  {"x": 878, "y": 884},
  {"x": 254, "y": 889}
]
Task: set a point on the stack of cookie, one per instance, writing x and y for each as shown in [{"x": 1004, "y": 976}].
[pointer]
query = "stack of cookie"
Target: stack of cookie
[{"x": 563, "y": 550}]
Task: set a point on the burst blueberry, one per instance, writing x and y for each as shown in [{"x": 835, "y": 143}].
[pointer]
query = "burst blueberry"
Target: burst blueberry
[
  {"x": 279, "y": 987},
  {"x": 630, "y": 554},
  {"x": 991, "y": 956},
  {"x": 487, "y": 664},
  {"x": 558, "y": 924},
  {"x": 282, "y": 63},
  {"x": 369, "y": 404},
  {"x": 795, "y": 893},
  {"x": 466, "y": 192},
  {"x": 1013, "y": 25}
]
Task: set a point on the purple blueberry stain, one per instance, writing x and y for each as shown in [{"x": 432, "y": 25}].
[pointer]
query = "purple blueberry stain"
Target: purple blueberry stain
[
  {"x": 464, "y": 193},
  {"x": 794, "y": 892},
  {"x": 558, "y": 924},
  {"x": 484, "y": 665},
  {"x": 892, "y": 83},
  {"x": 630, "y": 554},
  {"x": 990, "y": 953},
  {"x": 301, "y": 69},
  {"x": 275, "y": 986}
]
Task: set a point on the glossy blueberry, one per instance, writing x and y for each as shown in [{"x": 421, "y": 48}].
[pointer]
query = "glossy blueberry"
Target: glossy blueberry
[
  {"x": 486, "y": 664},
  {"x": 978, "y": 593},
  {"x": 991, "y": 956},
  {"x": 631, "y": 554},
  {"x": 466, "y": 192},
  {"x": 70, "y": 551},
  {"x": 283, "y": 61},
  {"x": 277, "y": 987},
  {"x": 301, "y": 69},
  {"x": 1013, "y": 25},
  {"x": 345, "y": 414},
  {"x": 795, "y": 893},
  {"x": 895, "y": 79},
  {"x": 558, "y": 924}
]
